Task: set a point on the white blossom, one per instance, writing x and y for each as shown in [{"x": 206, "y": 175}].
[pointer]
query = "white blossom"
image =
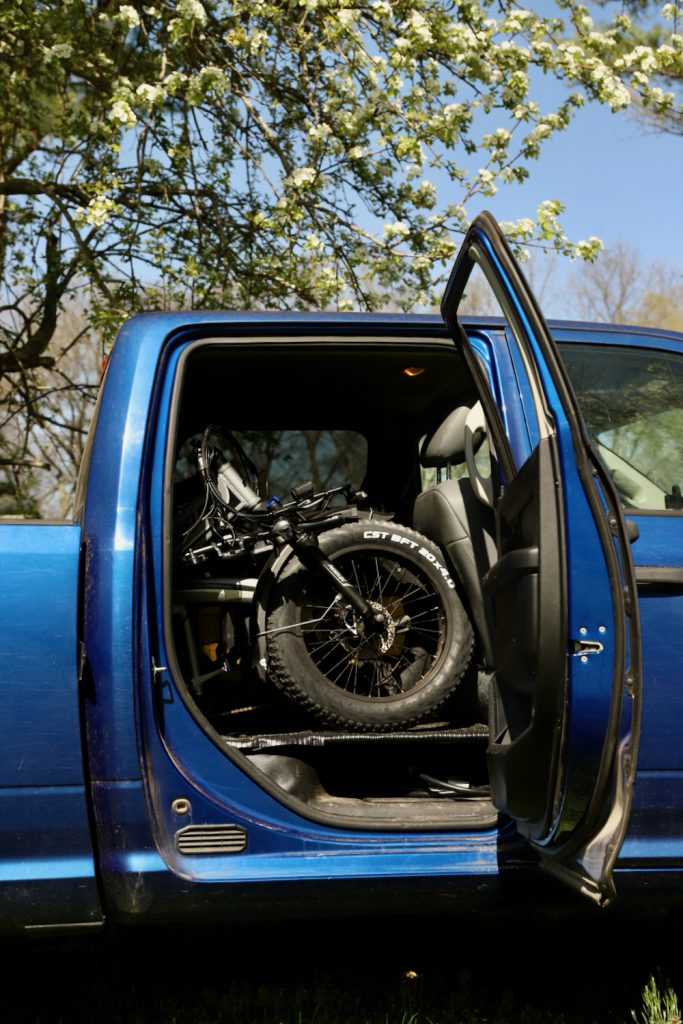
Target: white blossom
[
  {"x": 313, "y": 242},
  {"x": 175, "y": 81},
  {"x": 59, "y": 51},
  {"x": 346, "y": 16},
  {"x": 191, "y": 9},
  {"x": 122, "y": 113},
  {"x": 396, "y": 229},
  {"x": 319, "y": 131},
  {"x": 525, "y": 226},
  {"x": 150, "y": 95},
  {"x": 97, "y": 211},
  {"x": 128, "y": 16},
  {"x": 589, "y": 248},
  {"x": 302, "y": 176},
  {"x": 419, "y": 27}
]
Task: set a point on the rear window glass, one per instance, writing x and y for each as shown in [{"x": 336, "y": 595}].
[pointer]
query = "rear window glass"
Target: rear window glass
[{"x": 284, "y": 458}]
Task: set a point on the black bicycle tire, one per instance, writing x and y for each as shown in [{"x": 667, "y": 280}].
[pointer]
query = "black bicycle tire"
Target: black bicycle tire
[{"x": 291, "y": 665}]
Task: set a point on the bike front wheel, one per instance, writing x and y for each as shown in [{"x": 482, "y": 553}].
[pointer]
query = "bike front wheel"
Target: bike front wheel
[{"x": 320, "y": 655}]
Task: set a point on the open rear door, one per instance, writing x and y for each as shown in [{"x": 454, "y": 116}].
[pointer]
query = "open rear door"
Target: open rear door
[{"x": 561, "y": 599}]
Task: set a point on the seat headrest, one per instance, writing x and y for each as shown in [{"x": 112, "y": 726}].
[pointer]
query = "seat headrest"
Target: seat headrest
[{"x": 445, "y": 446}]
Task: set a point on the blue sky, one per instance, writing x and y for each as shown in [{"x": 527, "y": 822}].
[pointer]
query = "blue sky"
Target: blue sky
[{"x": 618, "y": 180}]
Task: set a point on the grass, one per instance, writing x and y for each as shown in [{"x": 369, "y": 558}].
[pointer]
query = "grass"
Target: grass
[
  {"x": 660, "y": 1005},
  {"x": 457, "y": 969}
]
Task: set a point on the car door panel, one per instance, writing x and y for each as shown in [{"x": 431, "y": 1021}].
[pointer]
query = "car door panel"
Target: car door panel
[
  {"x": 621, "y": 378},
  {"x": 578, "y": 720}
]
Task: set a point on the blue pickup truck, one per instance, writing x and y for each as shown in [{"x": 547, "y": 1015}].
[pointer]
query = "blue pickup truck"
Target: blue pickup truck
[{"x": 351, "y": 608}]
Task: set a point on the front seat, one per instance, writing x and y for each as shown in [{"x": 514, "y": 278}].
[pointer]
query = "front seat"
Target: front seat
[{"x": 456, "y": 513}]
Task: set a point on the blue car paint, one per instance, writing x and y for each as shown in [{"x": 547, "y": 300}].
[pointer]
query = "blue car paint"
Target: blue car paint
[
  {"x": 40, "y": 559},
  {"x": 656, "y": 816},
  {"x": 490, "y": 346},
  {"x": 659, "y": 543},
  {"x": 45, "y": 832},
  {"x": 135, "y": 770}
]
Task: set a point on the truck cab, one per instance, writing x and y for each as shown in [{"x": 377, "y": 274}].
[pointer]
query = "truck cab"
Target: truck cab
[{"x": 171, "y": 777}]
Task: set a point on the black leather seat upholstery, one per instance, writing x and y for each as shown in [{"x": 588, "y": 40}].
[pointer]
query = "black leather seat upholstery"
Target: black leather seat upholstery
[{"x": 452, "y": 515}]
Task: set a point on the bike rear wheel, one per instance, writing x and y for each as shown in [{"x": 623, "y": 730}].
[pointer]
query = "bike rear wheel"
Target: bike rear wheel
[{"x": 320, "y": 655}]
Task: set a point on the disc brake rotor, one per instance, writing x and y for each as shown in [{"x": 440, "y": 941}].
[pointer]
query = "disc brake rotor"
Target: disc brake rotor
[{"x": 385, "y": 641}]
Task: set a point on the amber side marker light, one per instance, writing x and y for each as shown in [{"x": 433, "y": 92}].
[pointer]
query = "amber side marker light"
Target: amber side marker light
[{"x": 413, "y": 371}]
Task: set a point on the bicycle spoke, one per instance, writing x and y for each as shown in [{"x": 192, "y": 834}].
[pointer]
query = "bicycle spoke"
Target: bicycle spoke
[{"x": 376, "y": 664}]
